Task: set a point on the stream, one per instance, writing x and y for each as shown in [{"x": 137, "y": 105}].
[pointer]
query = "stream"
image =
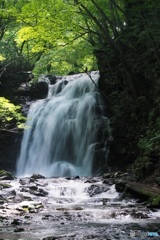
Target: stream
[
  {"x": 63, "y": 138},
  {"x": 38, "y": 208}
]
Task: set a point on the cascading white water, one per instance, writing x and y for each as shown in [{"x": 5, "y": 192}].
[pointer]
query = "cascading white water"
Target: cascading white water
[{"x": 62, "y": 130}]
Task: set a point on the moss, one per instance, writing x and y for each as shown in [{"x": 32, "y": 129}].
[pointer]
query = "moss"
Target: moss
[
  {"x": 155, "y": 202},
  {"x": 140, "y": 191},
  {"x": 4, "y": 175},
  {"x": 5, "y": 185}
]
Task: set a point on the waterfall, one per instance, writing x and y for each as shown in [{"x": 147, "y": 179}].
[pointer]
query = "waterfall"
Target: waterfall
[{"x": 61, "y": 130}]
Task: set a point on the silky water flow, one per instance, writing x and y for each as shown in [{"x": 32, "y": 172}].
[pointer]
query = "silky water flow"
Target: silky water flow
[{"x": 61, "y": 131}]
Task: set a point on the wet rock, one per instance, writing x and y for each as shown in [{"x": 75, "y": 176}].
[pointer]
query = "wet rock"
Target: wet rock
[
  {"x": 105, "y": 201},
  {"x": 2, "y": 218},
  {"x": 4, "y": 175},
  {"x": 78, "y": 208},
  {"x": 42, "y": 184},
  {"x": 34, "y": 188},
  {"x": 118, "y": 174},
  {"x": 5, "y": 185},
  {"x": 91, "y": 180},
  {"x": 10, "y": 194},
  {"x": 13, "y": 193},
  {"x": 24, "y": 189},
  {"x": 19, "y": 230},
  {"x": 51, "y": 78},
  {"x": 107, "y": 175},
  {"x": 23, "y": 90},
  {"x": 139, "y": 215},
  {"x": 39, "y": 90},
  {"x": 27, "y": 198},
  {"x": 120, "y": 186},
  {"x": 3, "y": 199},
  {"x": 108, "y": 182},
  {"x": 39, "y": 192},
  {"x": 37, "y": 176},
  {"x": 76, "y": 177},
  {"x": 17, "y": 222},
  {"x": 30, "y": 208},
  {"x": 27, "y": 217},
  {"x": 38, "y": 205},
  {"x": 97, "y": 189},
  {"x": 68, "y": 178},
  {"x": 20, "y": 209},
  {"x": 24, "y": 181},
  {"x": 48, "y": 216},
  {"x": 18, "y": 198},
  {"x": 51, "y": 238},
  {"x": 62, "y": 209}
]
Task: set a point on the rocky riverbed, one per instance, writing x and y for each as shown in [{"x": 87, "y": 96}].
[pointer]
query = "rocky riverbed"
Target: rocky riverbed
[{"x": 38, "y": 208}]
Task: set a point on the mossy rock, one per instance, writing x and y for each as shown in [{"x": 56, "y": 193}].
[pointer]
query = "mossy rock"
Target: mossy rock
[
  {"x": 107, "y": 175},
  {"x": 5, "y": 185},
  {"x": 4, "y": 175},
  {"x": 120, "y": 186},
  {"x": 155, "y": 202}
]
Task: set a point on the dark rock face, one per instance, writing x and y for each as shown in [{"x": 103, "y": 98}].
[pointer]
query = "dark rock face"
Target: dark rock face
[
  {"x": 9, "y": 149},
  {"x": 39, "y": 90},
  {"x": 10, "y": 82},
  {"x": 10, "y": 141},
  {"x": 51, "y": 78}
]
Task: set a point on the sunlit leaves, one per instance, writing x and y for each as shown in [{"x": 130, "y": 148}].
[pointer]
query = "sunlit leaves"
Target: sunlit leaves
[
  {"x": 2, "y": 58},
  {"x": 52, "y": 27},
  {"x": 9, "y": 113}
]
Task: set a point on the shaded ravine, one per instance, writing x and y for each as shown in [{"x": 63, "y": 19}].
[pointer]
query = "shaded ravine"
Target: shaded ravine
[{"x": 78, "y": 208}]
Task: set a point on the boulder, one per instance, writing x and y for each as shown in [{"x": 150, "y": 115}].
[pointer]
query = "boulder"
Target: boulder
[
  {"x": 37, "y": 176},
  {"x": 4, "y": 175},
  {"x": 97, "y": 189},
  {"x": 52, "y": 78},
  {"x": 39, "y": 90}
]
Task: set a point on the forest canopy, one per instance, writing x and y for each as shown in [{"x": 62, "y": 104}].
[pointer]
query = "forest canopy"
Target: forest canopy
[
  {"x": 60, "y": 36},
  {"x": 45, "y": 33}
]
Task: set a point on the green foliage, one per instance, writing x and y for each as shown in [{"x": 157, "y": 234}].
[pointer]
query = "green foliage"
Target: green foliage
[
  {"x": 156, "y": 202},
  {"x": 149, "y": 144},
  {"x": 54, "y": 33},
  {"x": 10, "y": 115},
  {"x": 65, "y": 59},
  {"x": 14, "y": 59},
  {"x": 4, "y": 175},
  {"x": 136, "y": 134}
]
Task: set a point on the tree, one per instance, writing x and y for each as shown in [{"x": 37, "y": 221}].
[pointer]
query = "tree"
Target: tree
[
  {"x": 10, "y": 116},
  {"x": 54, "y": 34}
]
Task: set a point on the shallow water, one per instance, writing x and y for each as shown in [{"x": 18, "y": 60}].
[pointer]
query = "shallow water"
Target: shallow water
[{"x": 72, "y": 209}]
